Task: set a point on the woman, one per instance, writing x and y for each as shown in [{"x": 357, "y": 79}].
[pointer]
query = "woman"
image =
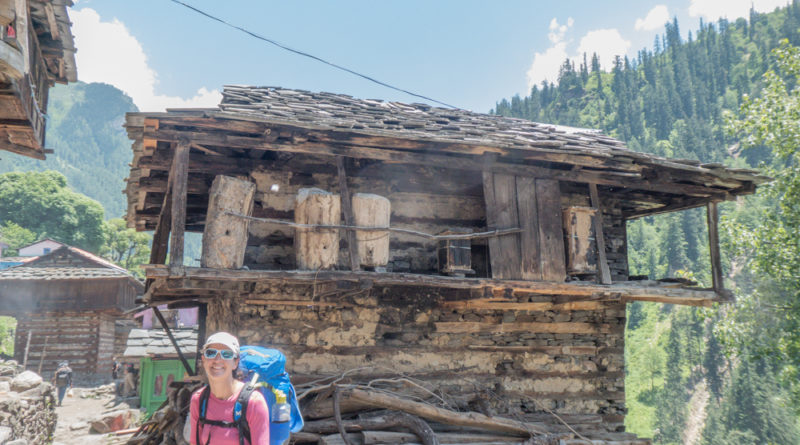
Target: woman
[{"x": 217, "y": 425}]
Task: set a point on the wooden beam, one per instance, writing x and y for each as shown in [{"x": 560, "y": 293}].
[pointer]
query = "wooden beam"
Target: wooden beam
[
  {"x": 450, "y": 158},
  {"x": 605, "y": 273},
  {"x": 627, "y": 291},
  {"x": 180, "y": 174},
  {"x": 347, "y": 209},
  {"x": 712, "y": 216},
  {"x": 174, "y": 342}
]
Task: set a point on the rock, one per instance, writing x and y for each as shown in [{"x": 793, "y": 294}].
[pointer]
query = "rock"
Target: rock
[
  {"x": 26, "y": 381},
  {"x": 17, "y": 442},
  {"x": 114, "y": 421},
  {"x": 5, "y": 387},
  {"x": 5, "y": 434},
  {"x": 78, "y": 426}
]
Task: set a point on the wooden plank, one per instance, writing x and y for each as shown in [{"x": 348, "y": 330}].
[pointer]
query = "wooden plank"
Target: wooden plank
[
  {"x": 347, "y": 209},
  {"x": 474, "y": 327},
  {"x": 602, "y": 261},
  {"x": 180, "y": 168},
  {"x": 712, "y": 217},
  {"x": 530, "y": 253},
  {"x": 551, "y": 236},
  {"x": 225, "y": 236},
  {"x": 500, "y": 194}
]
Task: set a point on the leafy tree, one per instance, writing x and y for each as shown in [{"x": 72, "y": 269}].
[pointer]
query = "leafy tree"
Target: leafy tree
[
  {"x": 769, "y": 318},
  {"x": 15, "y": 236},
  {"x": 125, "y": 246},
  {"x": 42, "y": 203}
]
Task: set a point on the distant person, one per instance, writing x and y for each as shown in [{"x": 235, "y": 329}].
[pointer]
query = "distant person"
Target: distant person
[
  {"x": 116, "y": 367},
  {"x": 129, "y": 385},
  {"x": 62, "y": 378}
]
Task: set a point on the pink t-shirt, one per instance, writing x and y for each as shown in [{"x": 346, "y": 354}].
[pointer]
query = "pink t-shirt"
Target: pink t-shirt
[{"x": 216, "y": 409}]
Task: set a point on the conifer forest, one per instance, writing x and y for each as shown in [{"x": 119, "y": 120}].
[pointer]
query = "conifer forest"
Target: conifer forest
[{"x": 726, "y": 92}]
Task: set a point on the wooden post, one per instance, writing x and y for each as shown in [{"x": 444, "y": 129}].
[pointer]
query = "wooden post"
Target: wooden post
[
  {"x": 172, "y": 339},
  {"x": 27, "y": 348},
  {"x": 225, "y": 236},
  {"x": 316, "y": 248},
  {"x": 180, "y": 171},
  {"x": 41, "y": 357},
  {"x": 202, "y": 314},
  {"x": 352, "y": 242},
  {"x": 712, "y": 216},
  {"x": 372, "y": 211},
  {"x": 605, "y": 273}
]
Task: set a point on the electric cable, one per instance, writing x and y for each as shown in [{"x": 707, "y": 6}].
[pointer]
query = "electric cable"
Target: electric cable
[{"x": 311, "y": 56}]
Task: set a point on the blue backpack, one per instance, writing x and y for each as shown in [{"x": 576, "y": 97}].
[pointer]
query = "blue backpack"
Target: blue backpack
[{"x": 264, "y": 370}]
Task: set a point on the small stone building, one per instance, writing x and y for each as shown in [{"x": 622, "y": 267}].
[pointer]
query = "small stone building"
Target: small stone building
[
  {"x": 484, "y": 255},
  {"x": 66, "y": 304}
]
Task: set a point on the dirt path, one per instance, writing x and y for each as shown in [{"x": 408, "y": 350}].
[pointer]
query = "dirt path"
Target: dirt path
[{"x": 75, "y": 414}]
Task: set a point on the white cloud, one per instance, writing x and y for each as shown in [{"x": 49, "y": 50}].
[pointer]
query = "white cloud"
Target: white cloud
[
  {"x": 545, "y": 65},
  {"x": 654, "y": 19},
  {"x": 731, "y": 9},
  {"x": 607, "y": 43},
  {"x": 107, "y": 52}
]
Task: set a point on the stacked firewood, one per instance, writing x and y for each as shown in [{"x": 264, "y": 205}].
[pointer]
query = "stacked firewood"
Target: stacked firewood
[{"x": 345, "y": 411}]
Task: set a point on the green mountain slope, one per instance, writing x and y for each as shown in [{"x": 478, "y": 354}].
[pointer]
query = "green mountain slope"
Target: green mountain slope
[
  {"x": 91, "y": 148},
  {"x": 672, "y": 100}
]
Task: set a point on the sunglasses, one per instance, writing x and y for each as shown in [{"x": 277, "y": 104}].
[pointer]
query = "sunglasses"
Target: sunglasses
[{"x": 226, "y": 354}]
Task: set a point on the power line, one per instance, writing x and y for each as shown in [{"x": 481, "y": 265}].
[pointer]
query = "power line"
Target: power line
[{"x": 311, "y": 56}]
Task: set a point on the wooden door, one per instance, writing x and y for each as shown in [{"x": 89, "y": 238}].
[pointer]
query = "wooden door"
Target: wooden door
[{"x": 533, "y": 205}]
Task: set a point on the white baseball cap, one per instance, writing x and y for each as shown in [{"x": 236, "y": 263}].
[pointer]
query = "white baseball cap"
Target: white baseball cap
[{"x": 223, "y": 338}]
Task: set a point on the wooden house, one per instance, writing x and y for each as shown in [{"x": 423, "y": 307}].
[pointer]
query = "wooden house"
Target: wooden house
[
  {"x": 66, "y": 303},
  {"x": 36, "y": 51},
  {"x": 484, "y": 255}
]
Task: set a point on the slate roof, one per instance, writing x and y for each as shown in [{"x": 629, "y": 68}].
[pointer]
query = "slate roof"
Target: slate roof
[
  {"x": 422, "y": 121},
  {"x": 155, "y": 342},
  {"x": 24, "y": 272}
]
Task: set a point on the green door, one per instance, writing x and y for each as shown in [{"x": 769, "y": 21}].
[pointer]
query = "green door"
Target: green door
[{"x": 156, "y": 376}]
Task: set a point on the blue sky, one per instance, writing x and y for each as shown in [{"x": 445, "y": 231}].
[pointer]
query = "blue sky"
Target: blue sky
[{"x": 466, "y": 53}]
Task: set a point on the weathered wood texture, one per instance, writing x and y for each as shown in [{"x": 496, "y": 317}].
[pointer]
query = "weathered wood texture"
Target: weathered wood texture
[
  {"x": 579, "y": 233},
  {"x": 86, "y": 340},
  {"x": 566, "y": 357},
  {"x": 534, "y": 205},
  {"x": 370, "y": 210},
  {"x": 317, "y": 249},
  {"x": 179, "y": 174},
  {"x": 225, "y": 236}
]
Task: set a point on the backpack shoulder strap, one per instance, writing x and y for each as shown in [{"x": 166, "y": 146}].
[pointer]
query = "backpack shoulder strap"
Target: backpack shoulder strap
[
  {"x": 240, "y": 412},
  {"x": 202, "y": 411}
]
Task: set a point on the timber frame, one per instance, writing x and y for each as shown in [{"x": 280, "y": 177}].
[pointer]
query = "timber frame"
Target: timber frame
[
  {"x": 178, "y": 153},
  {"x": 529, "y": 220}
]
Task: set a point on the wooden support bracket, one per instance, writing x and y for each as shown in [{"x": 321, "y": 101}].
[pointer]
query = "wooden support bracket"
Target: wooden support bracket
[
  {"x": 605, "y": 273},
  {"x": 347, "y": 209}
]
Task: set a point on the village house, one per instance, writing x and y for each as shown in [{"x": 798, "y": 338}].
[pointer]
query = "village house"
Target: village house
[
  {"x": 66, "y": 302},
  {"x": 484, "y": 256},
  {"x": 36, "y": 51}
]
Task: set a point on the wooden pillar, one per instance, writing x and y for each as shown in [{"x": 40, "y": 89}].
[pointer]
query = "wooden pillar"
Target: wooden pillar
[
  {"x": 316, "y": 248},
  {"x": 225, "y": 236},
  {"x": 602, "y": 261},
  {"x": 180, "y": 173},
  {"x": 352, "y": 242},
  {"x": 372, "y": 211},
  {"x": 202, "y": 314},
  {"x": 712, "y": 216}
]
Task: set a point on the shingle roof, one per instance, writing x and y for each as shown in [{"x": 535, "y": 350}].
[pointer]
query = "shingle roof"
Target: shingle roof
[
  {"x": 155, "y": 342},
  {"x": 23, "y": 272},
  {"x": 422, "y": 121}
]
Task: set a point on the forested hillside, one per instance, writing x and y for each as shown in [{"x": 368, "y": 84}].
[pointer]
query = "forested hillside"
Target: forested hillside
[
  {"x": 725, "y": 375},
  {"x": 84, "y": 128}
]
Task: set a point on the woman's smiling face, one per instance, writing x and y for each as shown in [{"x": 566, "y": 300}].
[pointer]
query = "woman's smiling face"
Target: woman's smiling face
[{"x": 217, "y": 367}]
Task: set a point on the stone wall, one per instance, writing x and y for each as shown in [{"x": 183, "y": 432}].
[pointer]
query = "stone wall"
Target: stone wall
[
  {"x": 520, "y": 353},
  {"x": 27, "y": 405}
]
